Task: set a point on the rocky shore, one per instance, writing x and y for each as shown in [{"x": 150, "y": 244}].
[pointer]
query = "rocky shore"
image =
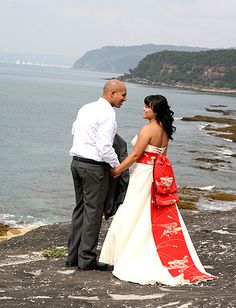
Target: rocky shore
[
  {"x": 178, "y": 85},
  {"x": 29, "y": 279},
  {"x": 227, "y": 130},
  {"x": 189, "y": 197}
]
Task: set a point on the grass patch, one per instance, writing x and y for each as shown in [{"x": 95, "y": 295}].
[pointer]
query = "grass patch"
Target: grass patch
[{"x": 54, "y": 252}]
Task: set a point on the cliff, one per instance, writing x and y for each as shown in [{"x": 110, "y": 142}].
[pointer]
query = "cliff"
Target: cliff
[{"x": 120, "y": 59}]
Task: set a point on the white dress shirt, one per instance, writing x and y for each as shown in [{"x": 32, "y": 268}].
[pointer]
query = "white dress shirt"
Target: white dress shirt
[{"x": 93, "y": 132}]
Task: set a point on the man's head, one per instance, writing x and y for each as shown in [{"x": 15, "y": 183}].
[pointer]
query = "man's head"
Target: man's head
[{"x": 114, "y": 91}]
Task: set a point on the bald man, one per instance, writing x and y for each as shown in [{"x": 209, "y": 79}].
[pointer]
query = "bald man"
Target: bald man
[{"x": 93, "y": 154}]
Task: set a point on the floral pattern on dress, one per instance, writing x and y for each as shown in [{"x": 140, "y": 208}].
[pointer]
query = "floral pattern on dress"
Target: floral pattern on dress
[{"x": 171, "y": 244}]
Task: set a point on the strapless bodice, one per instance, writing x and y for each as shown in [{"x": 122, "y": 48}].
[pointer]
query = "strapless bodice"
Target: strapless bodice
[{"x": 149, "y": 147}]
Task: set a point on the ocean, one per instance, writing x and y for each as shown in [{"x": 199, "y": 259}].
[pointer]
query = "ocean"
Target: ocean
[{"x": 38, "y": 106}]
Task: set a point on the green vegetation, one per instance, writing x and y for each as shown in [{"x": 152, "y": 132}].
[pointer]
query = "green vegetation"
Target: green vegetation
[
  {"x": 54, "y": 252},
  {"x": 211, "y": 69}
]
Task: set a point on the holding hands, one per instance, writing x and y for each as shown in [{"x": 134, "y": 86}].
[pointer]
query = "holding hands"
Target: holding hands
[{"x": 114, "y": 173}]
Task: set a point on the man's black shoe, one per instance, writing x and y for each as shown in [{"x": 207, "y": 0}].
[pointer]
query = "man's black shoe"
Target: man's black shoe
[
  {"x": 98, "y": 266},
  {"x": 71, "y": 264}
]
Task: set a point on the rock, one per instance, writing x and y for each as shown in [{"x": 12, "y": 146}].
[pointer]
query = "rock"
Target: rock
[
  {"x": 28, "y": 279},
  {"x": 228, "y": 132},
  {"x": 189, "y": 197},
  {"x": 7, "y": 232}
]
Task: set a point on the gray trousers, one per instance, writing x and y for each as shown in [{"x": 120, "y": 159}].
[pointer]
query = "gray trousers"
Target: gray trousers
[{"x": 91, "y": 184}]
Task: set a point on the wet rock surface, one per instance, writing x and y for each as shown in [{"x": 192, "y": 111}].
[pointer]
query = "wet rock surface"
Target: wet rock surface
[
  {"x": 227, "y": 132},
  {"x": 28, "y": 279},
  {"x": 189, "y": 197}
]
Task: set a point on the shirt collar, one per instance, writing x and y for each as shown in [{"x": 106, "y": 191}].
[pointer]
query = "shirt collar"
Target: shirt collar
[{"x": 105, "y": 102}]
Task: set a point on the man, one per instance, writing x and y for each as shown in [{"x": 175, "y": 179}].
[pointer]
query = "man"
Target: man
[{"x": 92, "y": 150}]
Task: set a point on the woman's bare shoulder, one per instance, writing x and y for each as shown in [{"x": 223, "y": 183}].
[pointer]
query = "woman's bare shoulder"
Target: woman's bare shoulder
[
  {"x": 144, "y": 131},
  {"x": 151, "y": 128}
]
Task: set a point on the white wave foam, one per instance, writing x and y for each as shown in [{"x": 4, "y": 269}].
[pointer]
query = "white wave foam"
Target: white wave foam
[
  {"x": 229, "y": 140},
  {"x": 203, "y": 188},
  {"x": 216, "y": 125},
  {"x": 213, "y": 125},
  {"x": 225, "y": 152},
  {"x": 8, "y": 219},
  {"x": 205, "y": 204},
  {"x": 202, "y": 126},
  {"x": 176, "y": 119},
  {"x": 13, "y": 221}
]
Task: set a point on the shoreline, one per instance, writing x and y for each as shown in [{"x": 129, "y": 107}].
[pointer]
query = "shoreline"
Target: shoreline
[
  {"x": 179, "y": 86},
  {"x": 189, "y": 199},
  {"x": 7, "y": 231}
]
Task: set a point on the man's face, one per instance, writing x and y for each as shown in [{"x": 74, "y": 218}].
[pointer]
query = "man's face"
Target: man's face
[{"x": 118, "y": 97}]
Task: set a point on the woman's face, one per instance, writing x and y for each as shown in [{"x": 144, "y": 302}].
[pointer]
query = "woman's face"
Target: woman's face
[{"x": 148, "y": 113}]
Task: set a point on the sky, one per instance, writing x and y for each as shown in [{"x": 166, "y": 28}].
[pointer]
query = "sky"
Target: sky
[{"x": 72, "y": 27}]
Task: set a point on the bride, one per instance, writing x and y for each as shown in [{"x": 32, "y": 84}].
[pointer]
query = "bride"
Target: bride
[{"x": 147, "y": 243}]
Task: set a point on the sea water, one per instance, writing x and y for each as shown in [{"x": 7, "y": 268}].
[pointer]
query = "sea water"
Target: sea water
[{"x": 37, "y": 108}]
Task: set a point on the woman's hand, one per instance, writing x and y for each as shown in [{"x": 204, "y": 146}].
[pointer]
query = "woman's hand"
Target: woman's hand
[{"x": 114, "y": 173}]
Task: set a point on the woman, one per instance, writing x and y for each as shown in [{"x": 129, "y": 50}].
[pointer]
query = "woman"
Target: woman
[{"x": 143, "y": 249}]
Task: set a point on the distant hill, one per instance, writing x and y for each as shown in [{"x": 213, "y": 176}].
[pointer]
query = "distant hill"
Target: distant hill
[
  {"x": 210, "y": 69},
  {"x": 120, "y": 59}
]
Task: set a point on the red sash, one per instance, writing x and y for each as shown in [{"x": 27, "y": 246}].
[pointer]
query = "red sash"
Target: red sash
[
  {"x": 147, "y": 158},
  {"x": 171, "y": 244},
  {"x": 166, "y": 228},
  {"x": 164, "y": 188}
]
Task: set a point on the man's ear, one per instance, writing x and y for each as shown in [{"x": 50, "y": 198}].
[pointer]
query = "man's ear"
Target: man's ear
[{"x": 113, "y": 93}]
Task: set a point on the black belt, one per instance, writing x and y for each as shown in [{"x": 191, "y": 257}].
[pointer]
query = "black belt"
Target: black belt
[{"x": 88, "y": 161}]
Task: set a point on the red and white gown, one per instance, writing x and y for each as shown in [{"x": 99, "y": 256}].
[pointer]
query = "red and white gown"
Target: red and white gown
[{"x": 149, "y": 247}]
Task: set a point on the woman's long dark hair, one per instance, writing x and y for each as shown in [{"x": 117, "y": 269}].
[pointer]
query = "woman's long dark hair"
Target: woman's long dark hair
[{"x": 164, "y": 114}]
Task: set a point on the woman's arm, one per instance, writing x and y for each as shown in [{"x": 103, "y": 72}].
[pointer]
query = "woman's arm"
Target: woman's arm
[{"x": 141, "y": 143}]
